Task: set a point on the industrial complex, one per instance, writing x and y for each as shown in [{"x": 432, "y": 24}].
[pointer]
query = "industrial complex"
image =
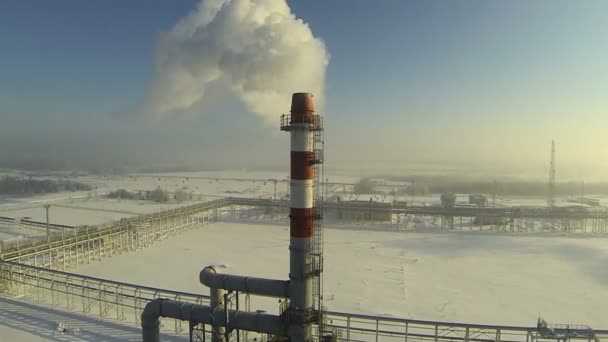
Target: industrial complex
[{"x": 41, "y": 268}]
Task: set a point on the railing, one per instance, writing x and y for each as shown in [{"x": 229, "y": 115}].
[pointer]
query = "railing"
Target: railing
[
  {"x": 26, "y": 222},
  {"x": 315, "y": 122},
  {"x": 124, "y": 302},
  {"x": 355, "y": 327},
  {"x": 95, "y": 296},
  {"x": 317, "y": 156}
]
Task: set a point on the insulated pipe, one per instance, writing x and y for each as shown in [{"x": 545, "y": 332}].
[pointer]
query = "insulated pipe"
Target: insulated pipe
[
  {"x": 301, "y": 215},
  {"x": 212, "y": 278},
  {"x": 195, "y": 313},
  {"x": 216, "y": 299}
]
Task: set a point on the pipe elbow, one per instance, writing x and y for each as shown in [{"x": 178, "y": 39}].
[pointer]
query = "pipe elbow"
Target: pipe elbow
[
  {"x": 152, "y": 311},
  {"x": 210, "y": 277},
  {"x": 150, "y": 321}
]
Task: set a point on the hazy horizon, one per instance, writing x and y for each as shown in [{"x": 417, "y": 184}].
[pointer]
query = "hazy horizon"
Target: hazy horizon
[{"x": 454, "y": 87}]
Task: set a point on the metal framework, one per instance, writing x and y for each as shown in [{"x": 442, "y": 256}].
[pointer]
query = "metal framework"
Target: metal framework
[
  {"x": 126, "y": 234},
  {"x": 36, "y": 270},
  {"x": 511, "y": 219},
  {"x": 95, "y": 296},
  {"x": 124, "y": 302},
  {"x": 354, "y": 327}
]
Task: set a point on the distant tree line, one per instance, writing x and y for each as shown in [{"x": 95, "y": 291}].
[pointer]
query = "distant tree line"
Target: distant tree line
[
  {"x": 438, "y": 184},
  {"x": 414, "y": 189},
  {"x": 11, "y": 185},
  {"x": 367, "y": 186},
  {"x": 156, "y": 195},
  {"x": 364, "y": 186}
]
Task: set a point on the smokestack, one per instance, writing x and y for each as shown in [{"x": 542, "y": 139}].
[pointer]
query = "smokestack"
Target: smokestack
[
  {"x": 305, "y": 252},
  {"x": 301, "y": 125}
]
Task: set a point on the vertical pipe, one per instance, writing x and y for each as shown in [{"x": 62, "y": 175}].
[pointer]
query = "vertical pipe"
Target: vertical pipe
[
  {"x": 377, "y": 328},
  {"x": 238, "y": 333},
  {"x": 227, "y": 318},
  {"x": 217, "y": 298},
  {"x": 301, "y": 216},
  {"x": 48, "y": 231},
  {"x": 348, "y": 329}
]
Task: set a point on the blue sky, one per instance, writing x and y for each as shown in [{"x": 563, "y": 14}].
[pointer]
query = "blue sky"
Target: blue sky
[{"x": 481, "y": 81}]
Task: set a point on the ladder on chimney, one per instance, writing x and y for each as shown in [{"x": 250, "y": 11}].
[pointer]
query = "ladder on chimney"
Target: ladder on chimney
[{"x": 316, "y": 247}]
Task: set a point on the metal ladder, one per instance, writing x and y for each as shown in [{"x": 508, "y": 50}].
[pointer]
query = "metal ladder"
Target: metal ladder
[{"x": 316, "y": 248}]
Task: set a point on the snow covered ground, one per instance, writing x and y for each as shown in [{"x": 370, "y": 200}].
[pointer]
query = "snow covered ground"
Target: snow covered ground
[
  {"x": 471, "y": 277},
  {"x": 113, "y": 209},
  {"x": 209, "y": 184},
  {"x": 22, "y": 321},
  {"x": 484, "y": 277},
  {"x": 90, "y": 212}
]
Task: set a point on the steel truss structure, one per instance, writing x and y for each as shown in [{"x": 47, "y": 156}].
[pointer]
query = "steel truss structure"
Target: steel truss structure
[
  {"x": 37, "y": 270},
  {"x": 511, "y": 219}
]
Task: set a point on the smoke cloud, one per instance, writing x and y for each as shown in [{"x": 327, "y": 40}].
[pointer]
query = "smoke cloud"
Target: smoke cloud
[{"x": 256, "y": 48}]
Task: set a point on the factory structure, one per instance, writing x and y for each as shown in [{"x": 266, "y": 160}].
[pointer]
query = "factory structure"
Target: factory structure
[
  {"x": 41, "y": 269},
  {"x": 302, "y": 292}
]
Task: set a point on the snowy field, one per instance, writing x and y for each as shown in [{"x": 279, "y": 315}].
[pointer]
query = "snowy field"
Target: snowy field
[
  {"x": 473, "y": 277},
  {"x": 203, "y": 186},
  {"x": 27, "y": 322},
  {"x": 469, "y": 277},
  {"x": 90, "y": 212},
  {"x": 75, "y": 213},
  {"x": 90, "y": 208}
]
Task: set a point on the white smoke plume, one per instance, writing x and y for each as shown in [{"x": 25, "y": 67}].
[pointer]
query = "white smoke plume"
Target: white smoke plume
[{"x": 257, "y": 48}]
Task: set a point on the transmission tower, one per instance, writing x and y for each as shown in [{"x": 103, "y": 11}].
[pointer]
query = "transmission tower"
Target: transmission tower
[{"x": 551, "y": 192}]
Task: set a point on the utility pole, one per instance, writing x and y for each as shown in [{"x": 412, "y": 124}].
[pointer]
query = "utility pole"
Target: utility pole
[
  {"x": 494, "y": 195},
  {"x": 48, "y": 230},
  {"x": 413, "y": 193},
  {"x": 551, "y": 192}
]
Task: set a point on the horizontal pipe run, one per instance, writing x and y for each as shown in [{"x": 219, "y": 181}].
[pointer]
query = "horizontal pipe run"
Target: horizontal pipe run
[
  {"x": 213, "y": 279},
  {"x": 196, "y": 313}
]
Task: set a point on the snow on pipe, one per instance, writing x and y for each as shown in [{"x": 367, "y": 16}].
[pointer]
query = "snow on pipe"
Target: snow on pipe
[
  {"x": 196, "y": 313},
  {"x": 212, "y": 278}
]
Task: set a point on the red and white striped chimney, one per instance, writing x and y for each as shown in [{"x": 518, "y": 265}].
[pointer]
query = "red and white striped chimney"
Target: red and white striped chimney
[{"x": 301, "y": 215}]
